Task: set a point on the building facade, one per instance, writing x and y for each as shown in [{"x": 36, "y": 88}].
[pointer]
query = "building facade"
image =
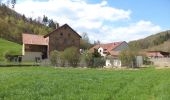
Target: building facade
[{"x": 38, "y": 47}]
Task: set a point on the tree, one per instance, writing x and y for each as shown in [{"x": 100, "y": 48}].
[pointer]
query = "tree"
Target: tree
[
  {"x": 85, "y": 37},
  {"x": 51, "y": 24},
  {"x": 13, "y": 2},
  {"x": 84, "y": 42},
  {"x": 96, "y": 54},
  {"x": 97, "y": 42},
  {"x": 98, "y": 60},
  {"x": 45, "y": 20}
]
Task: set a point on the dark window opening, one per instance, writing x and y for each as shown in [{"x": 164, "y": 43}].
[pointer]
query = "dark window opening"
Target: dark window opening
[{"x": 61, "y": 34}]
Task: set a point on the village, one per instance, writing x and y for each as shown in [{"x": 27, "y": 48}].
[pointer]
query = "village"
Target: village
[
  {"x": 37, "y": 48},
  {"x": 84, "y": 50}
]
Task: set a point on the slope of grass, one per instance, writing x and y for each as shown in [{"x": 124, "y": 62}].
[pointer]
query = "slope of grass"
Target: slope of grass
[
  {"x": 45, "y": 83},
  {"x": 11, "y": 47}
]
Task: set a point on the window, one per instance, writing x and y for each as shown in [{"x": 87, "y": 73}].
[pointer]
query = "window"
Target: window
[{"x": 61, "y": 34}]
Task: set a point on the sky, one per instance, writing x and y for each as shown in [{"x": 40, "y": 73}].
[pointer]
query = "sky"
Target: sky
[{"x": 104, "y": 20}]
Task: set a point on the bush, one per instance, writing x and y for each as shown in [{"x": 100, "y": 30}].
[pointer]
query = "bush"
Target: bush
[
  {"x": 98, "y": 62},
  {"x": 54, "y": 56},
  {"x": 72, "y": 56},
  {"x": 87, "y": 58},
  {"x": 127, "y": 58},
  {"x": 62, "y": 59}
]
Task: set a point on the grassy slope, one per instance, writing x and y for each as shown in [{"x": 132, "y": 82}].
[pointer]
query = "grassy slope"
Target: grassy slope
[
  {"x": 6, "y": 46},
  {"x": 37, "y": 83}
]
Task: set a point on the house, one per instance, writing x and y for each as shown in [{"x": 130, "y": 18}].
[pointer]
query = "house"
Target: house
[
  {"x": 37, "y": 47},
  {"x": 62, "y": 38},
  {"x": 157, "y": 54},
  {"x": 111, "y": 52},
  {"x": 34, "y": 47}
]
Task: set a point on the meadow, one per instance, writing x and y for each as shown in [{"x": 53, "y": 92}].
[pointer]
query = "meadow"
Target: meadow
[
  {"x": 49, "y": 83},
  {"x": 9, "y": 47}
]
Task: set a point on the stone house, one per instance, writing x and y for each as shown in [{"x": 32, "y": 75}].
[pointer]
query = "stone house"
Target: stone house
[{"x": 37, "y": 47}]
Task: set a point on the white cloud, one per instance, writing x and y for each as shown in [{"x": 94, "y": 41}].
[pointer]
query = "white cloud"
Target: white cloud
[
  {"x": 78, "y": 11},
  {"x": 90, "y": 18},
  {"x": 134, "y": 31}
]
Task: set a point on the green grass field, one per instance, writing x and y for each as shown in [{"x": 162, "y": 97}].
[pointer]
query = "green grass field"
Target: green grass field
[
  {"x": 47, "y": 83},
  {"x": 10, "y": 46}
]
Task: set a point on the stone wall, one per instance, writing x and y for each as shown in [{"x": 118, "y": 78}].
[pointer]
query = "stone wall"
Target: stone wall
[
  {"x": 63, "y": 38},
  {"x": 161, "y": 62}
]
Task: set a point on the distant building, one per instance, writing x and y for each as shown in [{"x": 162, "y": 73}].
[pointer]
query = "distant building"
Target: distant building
[
  {"x": 111, "y": 50},
  {"x": 157, "y": 54},
  {"x": 37, "y": 47}
]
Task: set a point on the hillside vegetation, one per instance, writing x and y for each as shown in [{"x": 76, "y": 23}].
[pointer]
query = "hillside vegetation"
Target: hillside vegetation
[
  {"x": 13, "y": 24},
  {"x": 48, "y": 83},
  {"x": 159, "y": 41},
  {"x": 9, "y": 47}
]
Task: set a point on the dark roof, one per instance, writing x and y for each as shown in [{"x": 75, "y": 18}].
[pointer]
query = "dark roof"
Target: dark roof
[{"x": 59, "y": 29}]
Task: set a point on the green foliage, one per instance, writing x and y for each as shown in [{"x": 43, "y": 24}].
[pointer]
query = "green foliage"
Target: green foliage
[
  {"x": 54, "y": 56},
  {"x": 87, "y": 58},
  {"x": 72, "y": 56},
  {"x": 62, "y": 59},
  {"x": 13, "y": 24},
  {"x": 153, "y": 42},
  {"x": 98, "y": 62},
  {"x": 2, "y": 57},
  {"x": 96, "y": 54},
  {"x": 127, "y": 58}
]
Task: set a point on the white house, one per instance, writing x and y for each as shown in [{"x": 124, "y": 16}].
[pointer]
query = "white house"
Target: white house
[{"x": 111, "y": 52}]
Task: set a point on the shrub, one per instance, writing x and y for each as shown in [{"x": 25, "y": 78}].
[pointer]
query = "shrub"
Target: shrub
[
  {"x": 72, "y": 56},
  {"x": 87, "y": 58},
  {"x": 62, "y": 59},
  {"x": 127, "y": 58},
  {"x": 98, "y": 62},
  {"x": 54, "y": 56}
]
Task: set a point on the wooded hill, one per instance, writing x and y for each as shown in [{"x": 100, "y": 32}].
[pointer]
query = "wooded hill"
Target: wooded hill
[
  {"x": 159, "y": 41},
  {"x": 13, "y": 24}
]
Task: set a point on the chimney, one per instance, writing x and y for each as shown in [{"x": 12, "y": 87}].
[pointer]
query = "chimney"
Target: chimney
[{"x": 57, "y": 25}]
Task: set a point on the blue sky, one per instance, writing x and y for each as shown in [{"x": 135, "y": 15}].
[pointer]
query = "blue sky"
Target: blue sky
[{"x": 104, "y": 20}]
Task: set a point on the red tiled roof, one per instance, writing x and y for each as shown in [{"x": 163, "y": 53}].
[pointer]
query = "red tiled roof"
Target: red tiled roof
[
  {"x": 114, "y": 53},
  {"x": 157, "y": 54},
  {"x": 34, "y": 39},
  {"x": 107, "y": 47}
]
